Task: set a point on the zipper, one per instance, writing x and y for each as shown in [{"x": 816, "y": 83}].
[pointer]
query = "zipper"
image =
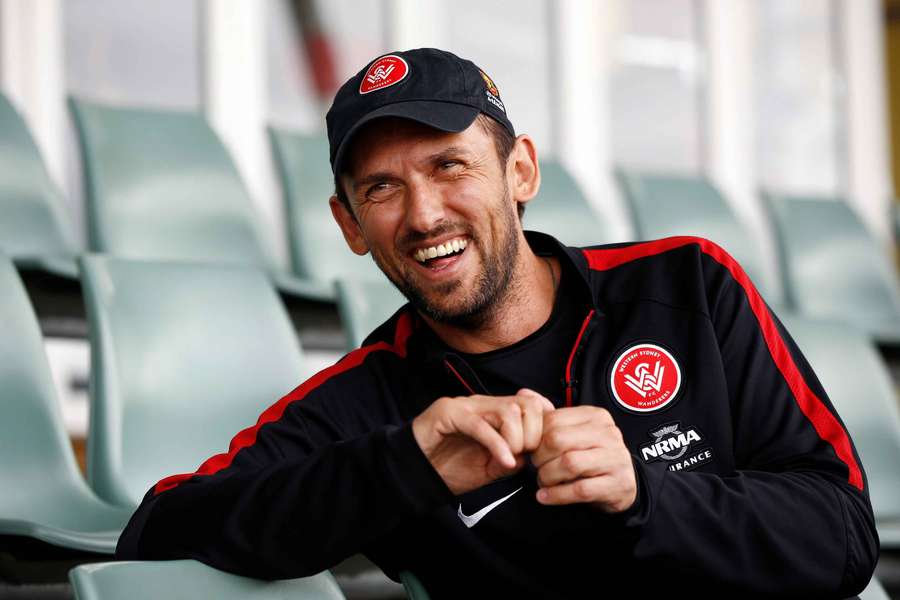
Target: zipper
[{"x": 569, "y": 382}]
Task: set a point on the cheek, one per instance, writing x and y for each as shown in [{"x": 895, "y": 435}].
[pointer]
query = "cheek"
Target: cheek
[{"x": 379, "y": 226}]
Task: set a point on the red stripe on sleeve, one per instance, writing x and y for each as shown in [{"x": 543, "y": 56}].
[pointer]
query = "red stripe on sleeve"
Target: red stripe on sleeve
[
  {"x": 823, "y": 421},
  {"x": 247, "y": 437}
]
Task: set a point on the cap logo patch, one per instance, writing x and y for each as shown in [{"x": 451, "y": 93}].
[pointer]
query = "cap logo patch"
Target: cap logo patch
[
  {"x": 490, "y": 84},
  {"x": 645, "y": 378},
  {"x": 492, "y": 93},
  {"x": 384, "y": 72}
]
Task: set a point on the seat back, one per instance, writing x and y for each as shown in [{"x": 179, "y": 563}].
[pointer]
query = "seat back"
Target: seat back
[
  {"x": 667, "y": 205},
  {"x": 364, "y": 305},
  {"x": 874, "y": 591},
  {"x": 32, "y": 218},
  {"x": 859, "y": 385},
  {"x": 832, "y": 266},
  {"x": 562, "y": 210},
  {"x": 189, "y": 580},
  {"x": 183, "y": 356},
  {"x": 160, "y": 185},
  {"x": 38, "y": 468},
  {"x": 318, "y": 249}
]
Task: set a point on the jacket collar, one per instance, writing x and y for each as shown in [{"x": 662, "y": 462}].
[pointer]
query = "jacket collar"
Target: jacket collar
[{"x": 543, "y": 244}]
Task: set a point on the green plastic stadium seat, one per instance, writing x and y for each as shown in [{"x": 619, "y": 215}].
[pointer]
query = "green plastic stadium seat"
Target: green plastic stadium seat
[
  {"x": 183, "y": 356},
  {"x": 664, "y": 205},
  {"x": 318, "y": 249},
  {"x": 859, "y": 385},
  {"x": 414, "y": 588},
  {"x": 832, "y": 266},
  {"x": 874, "y": 591},
  {"x": 562, "y": 210},
  {"x": 364, "y": 305},
  {"x": 43, "y": 495},
  {"x": 190, "y": 580},
  {"x": 160, "y": 185},
  {"x": 34, "y": 231}
]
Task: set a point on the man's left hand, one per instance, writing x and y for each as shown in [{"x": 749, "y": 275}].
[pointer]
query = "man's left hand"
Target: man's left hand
[{"x": 582, "y": 458}]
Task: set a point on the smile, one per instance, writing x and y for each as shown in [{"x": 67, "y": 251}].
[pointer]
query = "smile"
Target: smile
[{"x": 448, "y": 248}]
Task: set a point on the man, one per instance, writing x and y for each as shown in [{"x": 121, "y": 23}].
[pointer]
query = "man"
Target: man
[{"x": 539, "y": 421}]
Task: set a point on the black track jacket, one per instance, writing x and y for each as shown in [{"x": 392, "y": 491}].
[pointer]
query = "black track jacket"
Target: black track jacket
[{"x": 749, "y": 484}]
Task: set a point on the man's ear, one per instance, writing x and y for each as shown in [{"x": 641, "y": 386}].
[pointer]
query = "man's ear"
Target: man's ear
[
  {"x": 524, "y": 169},
  {"x": 349, "y": 226}
]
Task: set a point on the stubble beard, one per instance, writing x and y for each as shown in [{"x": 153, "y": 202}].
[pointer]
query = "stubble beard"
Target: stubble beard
[{"x": 491, "y": 290}]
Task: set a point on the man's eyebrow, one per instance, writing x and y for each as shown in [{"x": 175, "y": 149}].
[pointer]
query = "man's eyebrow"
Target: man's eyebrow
[{"x": 446, "y": 153}]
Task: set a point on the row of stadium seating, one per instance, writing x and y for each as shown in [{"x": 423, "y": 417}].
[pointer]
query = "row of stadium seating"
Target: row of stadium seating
[
  {"x": 172, "y": 339},
  {"x": 160, "y": 185},
  {"x": 186, "y": 354}
]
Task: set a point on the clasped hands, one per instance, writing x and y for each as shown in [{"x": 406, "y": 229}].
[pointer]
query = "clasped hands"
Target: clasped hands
[{"x": 579, "y": 452}]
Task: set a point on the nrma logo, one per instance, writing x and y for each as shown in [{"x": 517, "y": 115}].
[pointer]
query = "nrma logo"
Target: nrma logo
[{"x": 669, "y": 443}]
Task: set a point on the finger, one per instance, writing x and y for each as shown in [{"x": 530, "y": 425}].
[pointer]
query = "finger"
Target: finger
[
  {"x": 511, "y": 427},
  {"x": 576, "y": 464},
  {"x": 533, "y": 407},
  {"x": 591, "y": 489},
  {"x": 545, "y": 404},
  {"x": 472, "y": 425},
  {"x": 577, "y": 415},
  {"x": 580, "y": 437},
  {"x": 507, "y": 414}
]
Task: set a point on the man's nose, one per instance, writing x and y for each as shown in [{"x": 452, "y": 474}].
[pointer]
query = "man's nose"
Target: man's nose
[{"x": 424, "y": 207}]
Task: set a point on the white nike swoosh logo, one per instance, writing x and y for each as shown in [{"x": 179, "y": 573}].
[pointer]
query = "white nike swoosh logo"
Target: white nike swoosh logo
[{"x": 471, "y": 520}]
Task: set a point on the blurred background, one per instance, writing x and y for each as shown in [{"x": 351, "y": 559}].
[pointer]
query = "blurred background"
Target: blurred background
[
  {"x": 752, "y": 99},
  {"x": 795, "y": 97}
]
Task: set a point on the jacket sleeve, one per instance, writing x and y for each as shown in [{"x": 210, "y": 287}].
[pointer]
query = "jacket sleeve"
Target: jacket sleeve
[
  {"x": 328, "y": 469},
  {"x": 794, "y": 519}
]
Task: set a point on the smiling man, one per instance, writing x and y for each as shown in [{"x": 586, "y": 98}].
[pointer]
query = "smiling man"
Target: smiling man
[{"x": 539, "y": 421}]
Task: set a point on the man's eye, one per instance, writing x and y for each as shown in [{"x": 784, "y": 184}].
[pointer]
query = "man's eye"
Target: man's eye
[
  {"x": 449, "y": 164},
  {"x": 378, "y": 191}
]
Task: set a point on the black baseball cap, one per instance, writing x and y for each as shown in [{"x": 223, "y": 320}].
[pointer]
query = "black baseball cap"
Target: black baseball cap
[{"x": 434, "y": 87}]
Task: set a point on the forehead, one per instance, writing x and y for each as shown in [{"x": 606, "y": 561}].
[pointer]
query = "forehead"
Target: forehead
[{"x": 392, "y": 140}]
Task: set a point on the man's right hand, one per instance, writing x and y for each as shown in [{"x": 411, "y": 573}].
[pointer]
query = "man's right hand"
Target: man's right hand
[{"x": 473, "y": 440}]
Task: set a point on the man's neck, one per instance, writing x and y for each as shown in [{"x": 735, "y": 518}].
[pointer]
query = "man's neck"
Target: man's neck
[{"x": 522, "y": 311}]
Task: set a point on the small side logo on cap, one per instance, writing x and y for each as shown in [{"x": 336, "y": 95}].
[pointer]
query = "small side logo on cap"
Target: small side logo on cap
[
  {"x": 645, "y": 378},
  {"x": 384, "y": 72},
  {"x": 492, "y": 93}
]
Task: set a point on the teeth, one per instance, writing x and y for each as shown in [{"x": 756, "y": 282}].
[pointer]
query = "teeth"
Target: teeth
[{"x": 423, "y": 254}]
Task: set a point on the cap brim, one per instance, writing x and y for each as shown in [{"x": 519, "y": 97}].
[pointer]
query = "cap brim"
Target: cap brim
[{"x": 445, "y": 116}]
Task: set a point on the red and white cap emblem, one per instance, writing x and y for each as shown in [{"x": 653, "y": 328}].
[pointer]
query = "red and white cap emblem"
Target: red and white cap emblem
[
  {"x": 384, "y": 72},
  {"x": 645, "y": 378}
]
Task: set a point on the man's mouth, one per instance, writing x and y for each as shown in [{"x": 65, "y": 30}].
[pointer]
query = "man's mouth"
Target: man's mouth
[{"x": 444, "y": 250}]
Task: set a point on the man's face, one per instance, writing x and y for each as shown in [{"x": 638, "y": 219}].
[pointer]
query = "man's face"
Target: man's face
[{"x": 436, "y": 213}]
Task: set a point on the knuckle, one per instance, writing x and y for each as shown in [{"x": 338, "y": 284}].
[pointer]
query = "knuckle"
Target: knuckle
[
  {"x": 616, "y": 434},
  {"x": 554, "y": 440},
  {"x": 570, "y": 462},
  {"x": 603, "y": 416},
  {"x": 442, "y": 404},
  {"x": 582, "y": 489},
  {"x": 550, "y": 419}
]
